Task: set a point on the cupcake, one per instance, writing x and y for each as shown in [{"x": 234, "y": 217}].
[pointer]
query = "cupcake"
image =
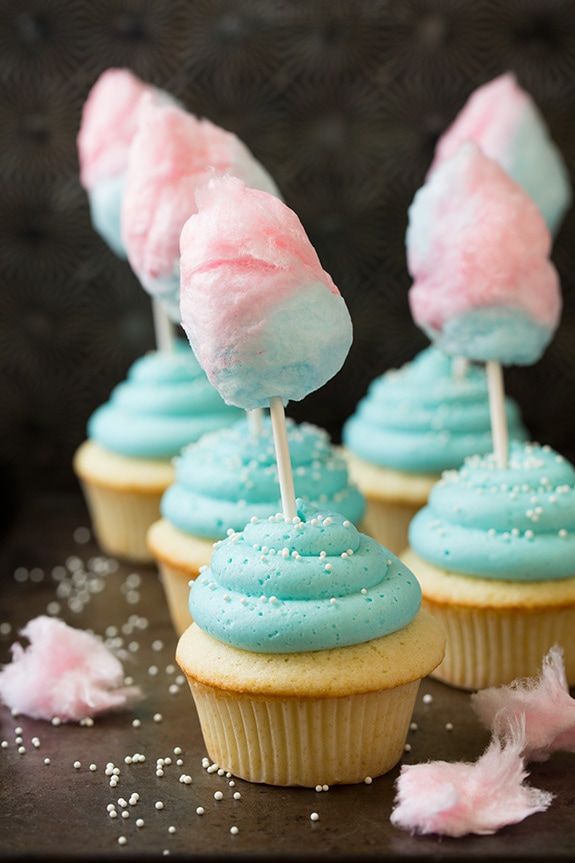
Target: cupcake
[
  {"x": 494, "y": 552},
  {"x": 414, "y": 423},
  {"x": 225, "y": 479},
  {"x": 307, "y": 651},
  {"x": 125, "y": 465}
]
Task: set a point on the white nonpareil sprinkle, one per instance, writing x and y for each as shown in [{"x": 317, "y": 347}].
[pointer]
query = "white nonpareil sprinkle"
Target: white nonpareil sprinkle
[
  {"x": 200, "y": 810},
  {"x": 93, "y": 767},
  {"x": 177, "y": 750},
  {"x": 231, "y": 783},
  {"x": 314, "y": 816},
  {"x": 125, "y": 814},
  {"x": 35, "y": 742},
  {"x": 18, "y": 730},
  {"x": 122, "y": 802},
  {"x": 122, "y": 840},
  {"x": 218, "y": 795},
  {"x": 157, "y": 645},
  {"x": 171, "y": 829},
  {"x": 368, "y": 780},
  {"x": 4, "y": 744},
  {"x": 221, "y": 771},
  {"x": 136, "y": 723},
  {"x": 449, "y": 726},
  {"x": 318, "y": 787},
  {"x": 56, "y": 721},
  {"x": 159, "y": 805},
  {"x": 234, "y": 830},
  {"x": 427, "y": 698},
  {"x": 46, "y": 761},
  {"x": 139, "y": 822},
  {"x": 237, "y": 795},
  {"x": 77, "y": 765},
  {"x": 112, "y": 813},
  {"x": 413, "y": 726},
  {"x": 407, "y": 747}
]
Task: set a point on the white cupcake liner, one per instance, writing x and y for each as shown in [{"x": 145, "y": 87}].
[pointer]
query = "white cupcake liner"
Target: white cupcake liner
[
  {"x": 305, "y": 741},
  {"x": 491, "y": 647},
  {"x": 121, "y": 519},
  {"x": 176, "y": 583}
]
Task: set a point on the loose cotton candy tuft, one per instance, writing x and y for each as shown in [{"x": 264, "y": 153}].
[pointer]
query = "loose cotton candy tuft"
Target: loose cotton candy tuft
[
  {"x": 459, "y": 798},
  {"x": 262, "y": 316},
  {"x": 173, "y": 154},
  {"x": 64, "y": 672},
  {"x": 543, "y": 703},
  {"x": 478, "y": 250},
  {"x": 506, "y": 124}
]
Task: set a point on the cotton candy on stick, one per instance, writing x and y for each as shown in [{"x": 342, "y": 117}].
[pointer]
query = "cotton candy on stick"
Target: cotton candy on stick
[
  {"x": 264, "y": 319},
  {"x": 484, "y": 288},
  {"x": 504, "y": 121},
  {"x": 172, "y": 155},
  {"x": 109, "y": 123}
]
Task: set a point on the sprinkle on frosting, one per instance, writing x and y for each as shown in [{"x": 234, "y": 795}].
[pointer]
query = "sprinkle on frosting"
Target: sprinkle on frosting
[
  {"x": 515, "y": 524},
  {"x": 230, "y": 477},
  {"x": 424, "y": 418},
  {"x": 165, "y": 403},
  {"x": 313, "y": 608}
]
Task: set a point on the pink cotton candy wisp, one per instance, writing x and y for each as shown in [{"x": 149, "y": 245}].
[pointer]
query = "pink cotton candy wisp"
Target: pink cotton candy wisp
[
  {"x": 173, "y": 154},
  {"x": 459, "y": 798},
  {"x": 263, "y": 318},
  {"x": 543, "y": 703},
  {"x": 63, "y": 672},
  {"x": 478, "y": 250}
]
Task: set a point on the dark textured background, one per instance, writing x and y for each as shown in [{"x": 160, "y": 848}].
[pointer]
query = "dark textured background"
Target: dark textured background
[{"x": 342, "y": 100}]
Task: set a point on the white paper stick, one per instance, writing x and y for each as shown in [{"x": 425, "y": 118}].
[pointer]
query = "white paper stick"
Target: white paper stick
[
  {"x": 256, "y": 421},
  {"x": 163, "y": 329},
  {"x": 283, "y": 458},
  {"x": 499, "y": 429},
  {"x": 459, "y": 367}
]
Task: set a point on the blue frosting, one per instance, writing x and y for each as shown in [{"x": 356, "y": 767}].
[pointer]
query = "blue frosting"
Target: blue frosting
[
  {"x": 229, "y": 476},
  {"x": 106, "y": 210},
  {"x": 516, "y": 524},
  {"x": 165, "y": 403},
  {"x": 422, "y": 418},
  {"x": 316, "y": 584}
]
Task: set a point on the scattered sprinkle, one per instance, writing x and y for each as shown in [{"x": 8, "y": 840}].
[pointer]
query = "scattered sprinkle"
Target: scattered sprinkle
[{"x": 314, "y": 816}]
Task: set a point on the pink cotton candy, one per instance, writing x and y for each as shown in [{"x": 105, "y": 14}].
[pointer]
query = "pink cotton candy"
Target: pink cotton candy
[
  {"x": 109, "y": 121},
  {"x": 544, "y": 703},
  {"x": 64, "y": 672},
  {"x": 478, "y": 251},
  {"x": 172, "y": 155},
  {"x": 459, "y": 798},
  {"x": 506, "y": 124},
  {"x": 263, "y": 317}
]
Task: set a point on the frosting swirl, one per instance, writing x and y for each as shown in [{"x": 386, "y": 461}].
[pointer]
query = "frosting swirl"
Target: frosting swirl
[
  {"x": 312, "y": 584},
  {"x": 516, "y": 524},
  {"x": 423, "y": 418},
  {"x": 165, "y": 403},
  {"x": 227, "y": 477}
]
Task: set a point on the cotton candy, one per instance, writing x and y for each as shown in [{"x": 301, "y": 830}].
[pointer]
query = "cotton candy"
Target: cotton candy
[
  {"x": 262, "y": 316},
  {"x": 505, "y": 122},
  {"x": 459, "y": 798},
  {"x": 64, "y": 672},
  {"x": 544, "y": 703},
  {"x": 478, "y": 251},
  {"x": 109, "y": 121},
  {"x": 174, "y": 153}
]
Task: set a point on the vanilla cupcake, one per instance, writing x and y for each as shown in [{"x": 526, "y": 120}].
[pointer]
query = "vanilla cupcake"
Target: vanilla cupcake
[
  {"x": 307, "y": 651},
  {"x": 225, "y": 479},
  {"x": 414, "y": 423},
  {"x": 494, "y": 552},
  {"x": 126, "y": 464}
]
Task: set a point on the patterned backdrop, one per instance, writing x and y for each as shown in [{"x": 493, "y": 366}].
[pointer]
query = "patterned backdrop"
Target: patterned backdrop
[{"x": 342, "y": 100}]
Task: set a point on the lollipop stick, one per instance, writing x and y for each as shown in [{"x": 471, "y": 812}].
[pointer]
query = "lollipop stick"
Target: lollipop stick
[
  {"x": 283, "y": 458},
  {"x": 459, "y": 367},
  {"x": 256, "y": 421},
  {"x": 163, "y": 329},
  {"x": 497, "y": 410}
]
